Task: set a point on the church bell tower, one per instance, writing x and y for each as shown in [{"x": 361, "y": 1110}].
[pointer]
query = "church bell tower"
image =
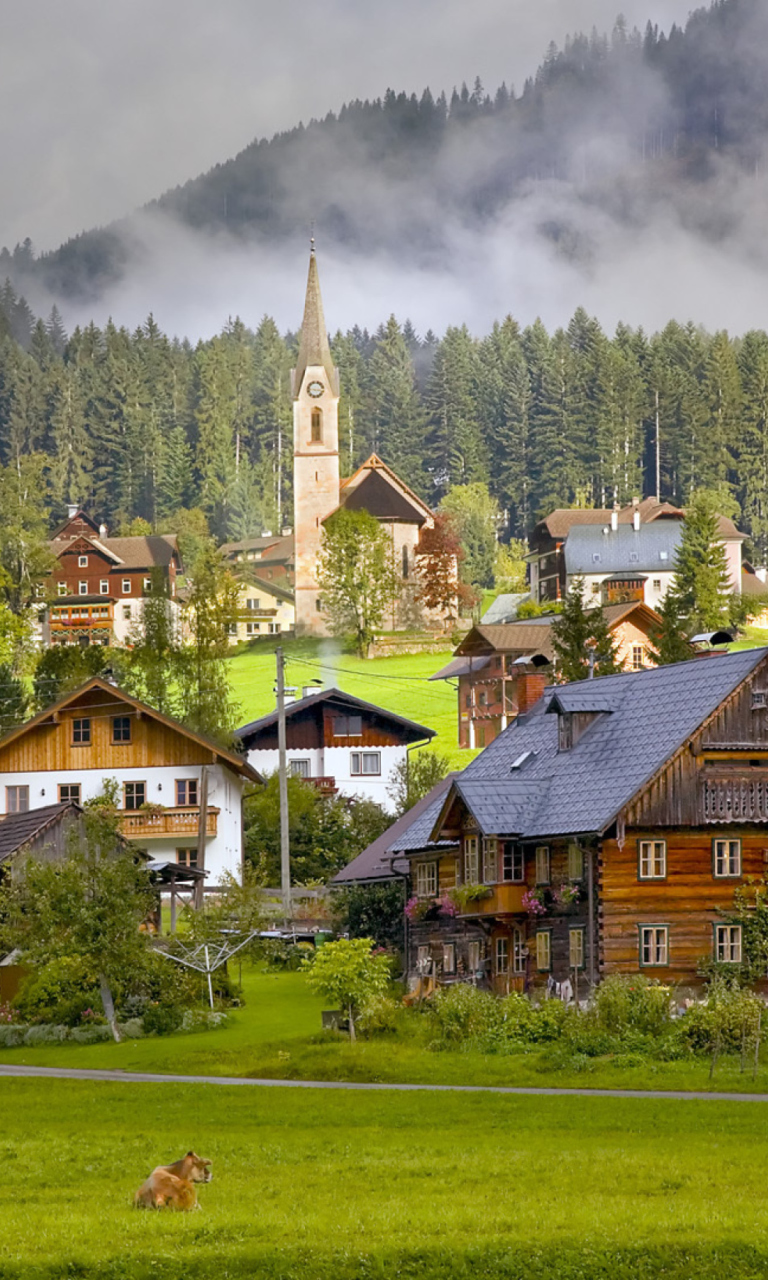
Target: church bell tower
[{"x": 315, "y": 390}]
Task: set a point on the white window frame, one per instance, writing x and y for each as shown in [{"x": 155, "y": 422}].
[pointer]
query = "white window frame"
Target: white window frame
[
  {"x": 651, "y": 859},
  {"x": 502, "y": 955},
  {"x": 300, "y": 768},
  {"x": 575, "y": 861},
  {"x": 82, "y": 562},
  {"x": 424, "y": 959},
  {"x": 104, "y": 587},
  {"x": 449, "y": 957},
  {"x": 20, "y": 795},
  {"x": 543, "y": 864},
  {"x": 638, "y": 657},
  {"x": 475, "y": 956},
  {"x": 544, "y": 950},
  {"x": 126, "y": 612},
  {"x": 471, "y": 860},
  {"x": 426, "y": 879},
  {"x": 147, "y": 584},
  {"x": 728, "y": 938},
  {"x": 82, "y": 588},
  {"x": 252, "y": 628},
  {"x": 654, "y": 946},
  {"x": 126, "y": 586},
  {"x": 61, "y": 588},
  {"x": 519, "y": 951},
  {"x": 512, "y": 859},
  {"x": 490, "y": 859},
  {"x": 365, "y": 764},
  {"x": 726, "y": 859},
  {"x": 576, "y": 947}
]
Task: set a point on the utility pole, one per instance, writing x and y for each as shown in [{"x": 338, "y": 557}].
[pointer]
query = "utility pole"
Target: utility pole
[
  {"x": 282, "y": 773},
  {"x": 202, "y": 832}
]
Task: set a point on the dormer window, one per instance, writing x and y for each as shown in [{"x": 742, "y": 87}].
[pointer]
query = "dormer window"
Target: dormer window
[{"x": 564, "y": 731}]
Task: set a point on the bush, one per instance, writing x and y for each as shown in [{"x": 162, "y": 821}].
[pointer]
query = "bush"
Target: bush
[
  {"x": 12, "y": 1035},
  {"x": 162, "y": 1019},
  {"x": 90, "y": 1035},
  {"x": 133, "y": 1029},
  {"x": 632, "y": 1003},
  {"x": 46, "y": 1034},
  {"x": 464, "y": 1017},
  {"x": 378, "y": 1016},
  {"x": 202, "y": 1020},
  {"x": 60, "y": 992},
  {"x": 728, "y": 1020}
]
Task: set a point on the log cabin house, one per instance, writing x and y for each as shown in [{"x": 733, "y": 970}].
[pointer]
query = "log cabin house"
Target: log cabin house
[
  {"x": 603, "y": 832},
  {"x": 180, "y": 794}
]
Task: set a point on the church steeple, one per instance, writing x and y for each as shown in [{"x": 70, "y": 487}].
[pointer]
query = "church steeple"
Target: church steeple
[{"x": 313, "y": 345}]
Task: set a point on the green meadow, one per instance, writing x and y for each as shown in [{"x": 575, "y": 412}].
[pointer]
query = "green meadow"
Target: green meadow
[{"x": 333, "y": 1186}]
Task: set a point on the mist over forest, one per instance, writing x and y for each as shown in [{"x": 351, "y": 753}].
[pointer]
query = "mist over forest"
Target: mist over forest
[{"x": 627, "y": 175}]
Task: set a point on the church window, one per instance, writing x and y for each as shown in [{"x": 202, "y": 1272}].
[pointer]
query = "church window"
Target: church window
[
  {"x": 405, "y": 562},
  {"x": 317, "y": 426}
]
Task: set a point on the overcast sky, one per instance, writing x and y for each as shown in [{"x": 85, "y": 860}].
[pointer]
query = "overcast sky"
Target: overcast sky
[{"x": 104, "y": 104}]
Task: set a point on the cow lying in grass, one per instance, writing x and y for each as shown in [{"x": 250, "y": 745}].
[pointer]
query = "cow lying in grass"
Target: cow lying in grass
[{"x": 173, "y": 1185}]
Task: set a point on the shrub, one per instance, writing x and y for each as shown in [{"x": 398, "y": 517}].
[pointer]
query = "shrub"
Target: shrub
[
  {"x": 60, "y": 992},
  {"x": 465, "y": 1017},
  {"x": 133, "y": 1029},
  {"x": 46, "y": 1034},
  {"x": 202, "y": 1020},
  {"x": 90, "y": 1035},
  {"x": 11, "y": 1036},
  {"x": 162, "y": 1019},
  {"x": 728, "y": 1020},
  {"x": 623, "y": 1004},
  {"x": 378, "y": 1016}
]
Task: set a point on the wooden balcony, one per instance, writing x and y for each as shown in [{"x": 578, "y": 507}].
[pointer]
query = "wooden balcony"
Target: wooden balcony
[
  {"x": 735, "y": 798},
  {"x": 504, "y": 899},
  {"x": 326, "y": 786},
  {"x": 143, "y": 824}
]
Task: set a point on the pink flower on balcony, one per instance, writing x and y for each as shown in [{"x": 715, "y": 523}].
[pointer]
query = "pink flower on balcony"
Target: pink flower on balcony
[{"x": 533, "y": 902}]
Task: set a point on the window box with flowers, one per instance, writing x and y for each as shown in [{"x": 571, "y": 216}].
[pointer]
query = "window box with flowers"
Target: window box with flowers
[
  {"x": 534, "y": 902},
  {"x": 566, "y": 897},
  {"x": 462, "y": 895}
]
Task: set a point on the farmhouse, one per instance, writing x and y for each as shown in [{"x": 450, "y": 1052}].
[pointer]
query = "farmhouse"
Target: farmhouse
[
  {"x": 603, "y": 832},
  {"x": 339, "y": 742},
  {"x": 502, "y": 669},
  {"x": 180, "y": 794}
]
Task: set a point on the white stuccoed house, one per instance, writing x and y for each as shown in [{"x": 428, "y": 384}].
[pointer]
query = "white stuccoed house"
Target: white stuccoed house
[{"x": 337, "y": 741}]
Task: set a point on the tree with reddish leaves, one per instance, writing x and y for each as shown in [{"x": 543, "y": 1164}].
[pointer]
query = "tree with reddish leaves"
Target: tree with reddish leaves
[{"x": 438, "y": 557}]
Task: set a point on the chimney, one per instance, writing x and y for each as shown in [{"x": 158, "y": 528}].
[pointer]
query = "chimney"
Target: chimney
[
  {"x": 310, "y": 690},
  {"x": 614, "y": 519},
  {"x": 102, "y": 531},
  {"x": 530, "y": 687},
  {"x": 636, "y": 520},
  {"x": 72, "y": 510}
]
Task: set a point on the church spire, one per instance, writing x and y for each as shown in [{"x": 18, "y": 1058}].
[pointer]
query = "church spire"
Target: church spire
[{"x": 313, "y": 346}]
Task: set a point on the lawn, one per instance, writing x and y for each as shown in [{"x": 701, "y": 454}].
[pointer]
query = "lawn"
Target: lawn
[
  {"x": 331, "y": 1186},
  {"x": 277, "y": 1036},
  {"x": 400, "y": 684}
]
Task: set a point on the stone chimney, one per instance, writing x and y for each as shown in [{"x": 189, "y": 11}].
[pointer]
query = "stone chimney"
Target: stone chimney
[{"x": 530, "y": 687}]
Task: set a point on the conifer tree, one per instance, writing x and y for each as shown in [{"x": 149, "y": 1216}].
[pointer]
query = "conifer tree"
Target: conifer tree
[
  {"x": 670, "y": 641},
  {"x": 398, "y": 415},
  {"x": 701, "y": 583},
  {"x": 581, "y": 640}
]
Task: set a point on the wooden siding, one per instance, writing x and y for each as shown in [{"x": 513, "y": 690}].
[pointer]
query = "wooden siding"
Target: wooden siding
[
  {"x": 49, "y": 746},
  {"x": 375, "y": 733},
  {"x": 689, "y": 900}
]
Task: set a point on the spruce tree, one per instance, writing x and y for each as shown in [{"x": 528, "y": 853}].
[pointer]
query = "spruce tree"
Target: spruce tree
[
  {"x": 581, "y": 640},
  {"x": 670, "y": 641},
  {"x": 701, "y": 582}
]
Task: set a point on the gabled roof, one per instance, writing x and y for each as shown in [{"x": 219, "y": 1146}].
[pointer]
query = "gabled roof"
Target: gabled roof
[
  {"x": 229, "y": 758},
  {"x": 17, "y": 829},
  {"x": 142, "y": 552},
  {"x": 79, "y": 514},
  {"x": 374, "y": 466},
  {"x": 649, "y": 549},
  {"x": 505, "y": 607},
  {"x": 526, "y": 636},
  {"x": 376, "y": 494},
  {"x": 346, "y": 702},
  {"x": 496, "y": 811},
  {"x": 377, "y": 861},
  {"x": 251, "y": 544},
  {"x": 653, "y": 713}
]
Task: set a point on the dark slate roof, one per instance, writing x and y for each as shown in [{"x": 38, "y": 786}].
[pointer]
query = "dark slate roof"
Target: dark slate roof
[
  {"x": 651, "y": 548},
  {"x": 17, "y": 829},
  {"x": 419, "y": 821},
  {"x": 500, "y": 811},
  {"x": 585, "y": 695},
  {"x": 461, "y": 667},
  {"x": 582, "y": 790},
  {"x": 504, "y": 608},
  {"x": 376, "y": 494},
  {"x": 376, "y": 862},
  {"x": 347, "y": 702}
]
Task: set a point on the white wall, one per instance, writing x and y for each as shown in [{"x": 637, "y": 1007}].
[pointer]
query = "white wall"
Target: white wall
[
  {"x": 335, "y": 762},
  {"x": 223, "y": 852}
]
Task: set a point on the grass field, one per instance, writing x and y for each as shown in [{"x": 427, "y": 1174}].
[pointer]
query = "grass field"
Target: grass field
[
  {"x": 319, "y": 1186},
  {"x": 400, "y": 684}
]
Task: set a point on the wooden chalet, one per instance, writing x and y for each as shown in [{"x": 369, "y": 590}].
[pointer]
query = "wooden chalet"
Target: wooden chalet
[
  {"x": 604, "y": 832},
  {"x": 503, "y": 668}
]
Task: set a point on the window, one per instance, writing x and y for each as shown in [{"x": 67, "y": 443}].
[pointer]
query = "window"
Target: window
[
  {"x": 502, "y": 955},
  {"x": 186, "y": 791},
  {"x": 519, "y": 951},
  {"x": 82, "y": 562},
  {"x": 135, "y": 794},
  {"x": 82, "y": 588},
  {"x": 490, "y": 860},
  {"x": 17, "y": 799},
  {"x": 726, "y": 858},
  {"x": 317, "y": 426},
  {"x": 544, "y": 950},
  {"x": 595, "y": 588},
  {"x": 542, "y": 864},
  {"x": 482, "y": 698},
  {"x": 231, "y": 628},
  {"x": 596, "y": 557},
  {"x": 253, "y": 603},
  {"x": 474, "y": 957},
  {"x": 186, "y": 857},
  {"x": 633, "y": 557},
  {"x": 576, "y": 948},
  {"x": 121, "y": 728},
  {"x": 663, "y": 555},
  {"x": 81, "y": 732},
  {"x": 126, "y": 586},
  {"x": 299, "y": 768},
  {"x": 657, "y": 584},
  {"x": 638, "y": 657},
  {"x": 426, "y": 879},
  {"x": 406, "y": 566},
  {"x": 449, "y": 957},
  {"x": 728, "y": 943},
  {"x": 252, "y": 628},
  {"x": 758, "y": 699},
  {"x": 347, "y": 726},
  {"x": 69, "y": 791},
  {"x": 512, "y": 863},
  {"x": 147, "y": 584},
  {"x": 104, "y": 587},
  {"x": 61, "y": 588},
  {"x": 471, "y": 869},
  {"x": 652, "y": 859},
  {"x": 654, "y": 944},
  {"x": 481, "y": 736},
  {"x": 564, "y": 731},
  {"x": 127, "y": 612},
  {"x": 457, "y": 871},
  {"x": 424, "y": 960},
  {"x": 575, "y": 862},
  {"x": 366, "y": 762}
]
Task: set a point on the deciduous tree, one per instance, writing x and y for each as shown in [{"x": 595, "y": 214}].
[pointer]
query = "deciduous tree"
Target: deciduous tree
[{"x": 356, "y": 576}]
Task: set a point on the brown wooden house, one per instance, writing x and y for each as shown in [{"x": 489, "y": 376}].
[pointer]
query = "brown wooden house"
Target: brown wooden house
[{"x": 604, "y": 832}]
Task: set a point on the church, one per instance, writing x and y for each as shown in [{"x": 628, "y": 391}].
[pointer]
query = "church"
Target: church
[{"x": 319, "y": 490}]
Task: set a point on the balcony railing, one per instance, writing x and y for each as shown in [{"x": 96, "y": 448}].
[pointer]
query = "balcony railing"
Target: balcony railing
[
  {"x": 504, "y": 899},
  {"x": 144, "y": 824},
  {"x": 735, "y": 799}
]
